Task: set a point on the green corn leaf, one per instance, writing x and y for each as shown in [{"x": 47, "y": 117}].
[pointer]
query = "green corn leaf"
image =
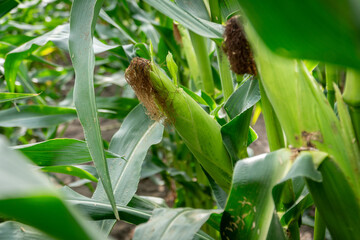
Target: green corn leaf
[
  {"x": 135, "y": 136},
  {"x": 247, "y": 95},
  {"x": 329, "y": 189},
  {"x": 276, "y": 231},
  {"x": 336, "y": 201},
  {"x": 132, "y": 141},
  {"x": 122, "y": 31},
  {"x": 59, "y": 36},
  {"x": 16, "y": 231},
  {"x": 70, "y": 170},
  {"x": 27, "y": 197},
  {"x": 82, "y": 24},
  {"x": 6, "y": 6},
  {"x": 36, "y": 116},
  {"x": 249, "y": 209},
  {"x": 237, "y": 134},
  {"x": 195, "y": 7},
  {"x": 122, "y": 106},
  {"x": 196, "y": 97},
  {"x": 6, "y": 97},
  {"x": 295, "y": 212},
  {"x": 147, "y": 203},
  {"x": 288, "y": 28},
  {"x": 290, "y": 196},
  {"x": 180, "y": 223},
  {"x": 302, "y": 110},
  {"x": 197, "y": 25},
  {"x": 60, "y": 151},
  {"x": 100, "y": 210}
]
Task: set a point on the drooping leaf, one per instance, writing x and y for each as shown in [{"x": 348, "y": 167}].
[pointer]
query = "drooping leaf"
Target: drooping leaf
[
  {"x": 82, "y": 23},
  {"x": 36, "y": 116},
  {"x": 179, "y": 223},
  {"x": 60, "y": 151},
  {"x": 5, "y": 97},
  {"x": 27, "y": 196}
]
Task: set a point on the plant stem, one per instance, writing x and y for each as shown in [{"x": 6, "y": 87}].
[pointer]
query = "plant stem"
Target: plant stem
[
  {"x": 294, "y": 231},
  {"x": 352, "y": 98},
  {"x": 224, "y": 65},
  {"x": 320, "y": 227},
  {"x": 331, "y": 78},
  {"x": 215, "y": 11},
  {"x": 225, "y": 74},
  {"x": 190, "y": 56},
  {"x": 273, "y": 128},
  {"x": 200, "y": 47}
]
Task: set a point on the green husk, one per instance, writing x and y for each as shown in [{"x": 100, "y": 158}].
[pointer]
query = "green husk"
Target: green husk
[
  {"x": 352, "y": 98},
  {"x": 199, "y": 131}
]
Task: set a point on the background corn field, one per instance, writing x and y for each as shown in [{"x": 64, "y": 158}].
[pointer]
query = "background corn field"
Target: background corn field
[{"x": 182, "y": 83}]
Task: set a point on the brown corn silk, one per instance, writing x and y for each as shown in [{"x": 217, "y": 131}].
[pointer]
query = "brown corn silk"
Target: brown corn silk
[{"x": 237, "y": 48}]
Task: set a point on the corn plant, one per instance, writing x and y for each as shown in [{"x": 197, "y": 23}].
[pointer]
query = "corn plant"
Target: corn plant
[{"x": 188, "y": 80}]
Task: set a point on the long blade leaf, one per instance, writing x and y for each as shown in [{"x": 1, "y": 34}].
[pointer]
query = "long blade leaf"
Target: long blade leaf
[{"x": 82, "y": 24}]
